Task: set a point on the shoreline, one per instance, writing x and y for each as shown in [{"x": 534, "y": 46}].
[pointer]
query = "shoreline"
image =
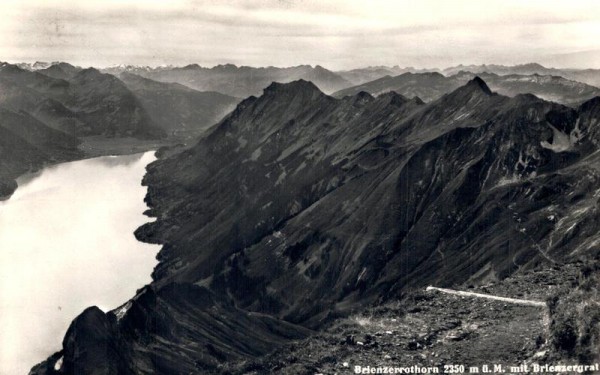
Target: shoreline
[{"x": 91, "y": 147}]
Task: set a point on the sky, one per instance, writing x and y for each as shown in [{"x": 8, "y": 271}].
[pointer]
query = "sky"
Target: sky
[{"x": 337, "y": 34}]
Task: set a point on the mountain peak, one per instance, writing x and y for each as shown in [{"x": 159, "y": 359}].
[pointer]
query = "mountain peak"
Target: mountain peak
[
  {"x": 362, "y": 98},
  {"x": 191, "y": 67},
  {"x": 8, "y": 67},
  {"x": 88, "y": 74},
  {"x": 226, "y": 67},
  {"x": 294, "y": 87},
  {"x": 393, "y": 98},
  {"x": 90, "y": 71},
  {"x": 532, "y": 65},
  {"x": 417, "y": 100},
  {"x": 478, "y": 84}
]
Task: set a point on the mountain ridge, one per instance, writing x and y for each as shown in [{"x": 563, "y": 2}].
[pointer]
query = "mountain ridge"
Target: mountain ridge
[
  {"x": 301, "y": 207},
  {"x": 431, "y": 86},
  {"x": 239, "y": 81}
]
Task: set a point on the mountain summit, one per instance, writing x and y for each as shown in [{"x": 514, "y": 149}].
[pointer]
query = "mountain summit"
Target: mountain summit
[{"x": 478, "y": 83}]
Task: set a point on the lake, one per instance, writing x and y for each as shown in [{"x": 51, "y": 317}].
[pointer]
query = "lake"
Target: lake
[{"x": 66, "y": 243}]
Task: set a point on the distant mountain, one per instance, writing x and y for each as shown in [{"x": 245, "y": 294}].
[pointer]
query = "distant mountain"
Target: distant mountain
[
  {"x": 588, "y": 76},
  {"x": 177, "y": 109},
  {"x": 238, "y": 81},
  {"x": 427, "y": 86},
  {"x": 363, "y": 75},
  {"x": 430, "y": 86},
  {"x": 60, "y": 70},
  {"x": 108, "y": 107},
  {"x": 523, "y": 69},
  {"x": 299, "y": 208},
  {"x": 549, "y": 87},
  {"x": 86, "y": 103}
]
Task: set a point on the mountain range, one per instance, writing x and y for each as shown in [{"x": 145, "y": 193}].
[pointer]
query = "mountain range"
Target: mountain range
[
  {"x": 46, "y": 113},
  {"x": 300, "y": 208},
  {"x": 84, "y": 102},
  {"x": 237, "y": 81},
  {"x": 587, "y": 76},
  {"x": 432, "y": 85}
]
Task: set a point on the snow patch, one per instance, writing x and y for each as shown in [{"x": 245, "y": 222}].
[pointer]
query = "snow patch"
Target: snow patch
[
  {"x": 507, "y": 181},
  {"x": 121, "y": 311},
  {"x": 561, "y": 141},
  {"x": 58, "y": 364}
]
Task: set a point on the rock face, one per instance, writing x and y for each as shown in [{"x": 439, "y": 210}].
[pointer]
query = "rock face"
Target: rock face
[
  {"x": 298, "y": 208},
  {"x": 181, "y": 329},
  {"x": 431, "y": 86}
]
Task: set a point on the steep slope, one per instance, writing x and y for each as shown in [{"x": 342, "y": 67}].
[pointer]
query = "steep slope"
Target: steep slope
[
  {"x": 16, "y": 157},
  {"x": 86, "y": 103},
  {"x": 27, "y": 144},
  {"x": 241, "y": 81},
  {"x": 177, "y": 109},
  {"x": 430, "y": 86},
  {"x": 52, "y": 142},
  {"x": 107, "y": 107},
  {"x": 301, "y": 208}
]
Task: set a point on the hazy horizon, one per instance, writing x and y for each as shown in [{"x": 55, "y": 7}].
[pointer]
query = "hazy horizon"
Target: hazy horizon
[
  {"x": 336, "y": 34},
  {"x": 287, "y": 66}
]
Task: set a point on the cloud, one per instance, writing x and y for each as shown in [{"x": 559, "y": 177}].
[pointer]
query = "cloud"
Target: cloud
[{"x": 335, "y": 33}]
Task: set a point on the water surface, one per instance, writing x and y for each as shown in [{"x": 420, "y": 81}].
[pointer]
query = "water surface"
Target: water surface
[{"x": 66, "y": 243}]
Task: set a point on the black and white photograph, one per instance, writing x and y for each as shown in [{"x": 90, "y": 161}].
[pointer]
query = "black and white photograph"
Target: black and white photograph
[{"x": 299, "y": 187}]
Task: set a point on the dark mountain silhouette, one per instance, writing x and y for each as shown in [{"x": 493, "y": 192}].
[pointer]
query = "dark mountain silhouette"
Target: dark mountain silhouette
[
  {"x": 299, "y": 208},
  {"x": 430, "y": 86},
  {"x": 26, "y": 145}
]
